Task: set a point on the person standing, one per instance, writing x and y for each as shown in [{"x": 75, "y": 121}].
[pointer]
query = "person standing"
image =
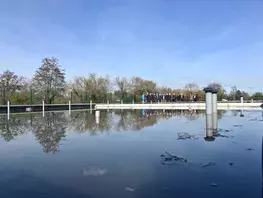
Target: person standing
[{"x": 143, "y": 98}]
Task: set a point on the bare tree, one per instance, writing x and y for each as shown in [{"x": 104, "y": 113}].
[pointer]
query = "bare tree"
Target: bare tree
[
  {"x": 10, "y": 82},
  {"x": 233, "y": 92},
  {"x": 191, "y": 87},
  {"x": 95, "y": 87},
  {"x": 124, "y": 85},
  {"x": 141, "y": 86},
  {"x": 221, "y": 91},
  {"x": 49, "y": 79}
]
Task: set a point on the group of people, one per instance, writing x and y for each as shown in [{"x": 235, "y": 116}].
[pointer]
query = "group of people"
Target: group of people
[{"x": 155, "y": 97}]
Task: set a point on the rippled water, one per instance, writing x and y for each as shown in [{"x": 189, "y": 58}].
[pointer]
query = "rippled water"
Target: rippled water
[{"x": 144, "y": 154}]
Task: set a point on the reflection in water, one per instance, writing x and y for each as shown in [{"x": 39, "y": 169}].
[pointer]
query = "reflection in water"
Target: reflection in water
[
  {"x": 209, "y": 128},
  {"x": 51, "y": 129},
  {"x": 212, "y": 127},
  {"x": 16, "y": 126}
]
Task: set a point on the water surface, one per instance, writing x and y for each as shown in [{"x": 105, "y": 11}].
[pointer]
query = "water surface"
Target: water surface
[{"x": 124, "y": 154}]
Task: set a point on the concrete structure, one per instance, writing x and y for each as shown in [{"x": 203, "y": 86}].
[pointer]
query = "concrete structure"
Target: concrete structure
[
  {"x": 92, "y": 106},
  {"x": 209, "y": 111},
  {"x": 182, "y": 106},
  {"x": 214, "y": 110}
]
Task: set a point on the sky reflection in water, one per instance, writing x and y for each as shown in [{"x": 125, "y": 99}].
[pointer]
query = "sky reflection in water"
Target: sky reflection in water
[{"x": 124, "y": 155}]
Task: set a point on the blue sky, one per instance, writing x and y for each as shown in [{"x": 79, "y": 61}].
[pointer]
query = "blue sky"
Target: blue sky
[{"x": 172, "y": 42}]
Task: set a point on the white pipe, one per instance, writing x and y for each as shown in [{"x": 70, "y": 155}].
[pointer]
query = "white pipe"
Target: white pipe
[
  {"x": 208, "y": 103},
  {"x": 69, "y": 107},
  {"x": 215, "y": 123},
  {"x": 8, "y": 109},
  {"x": 214, "y": 111},
  {"x": 214, "y": 102},
  {"x": 209, "y": 112},
  {"x": 242, "y": 100},
  {"x": 97, "y": 117},
  {"x": 97, "y": 113},
  {"x": 97, "y": 120},
  {"x": 209, "y": 125},
  {"x": 90, "y": 106},
  {"x": 43, "y": 108}
]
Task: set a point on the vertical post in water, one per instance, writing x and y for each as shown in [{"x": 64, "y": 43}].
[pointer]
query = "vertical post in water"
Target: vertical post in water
[
  {"x": 242, "y": 106},
  {"x": 69, "y": 107},
  {"x": 97, "y": 117},
  {"x": 8, "y": 109},
  {"x": 90, "y": 106},
  {"x": 43, "y": 108},
  {"x": 209, "y": 112},
  {"x": 214, "y": 110}
]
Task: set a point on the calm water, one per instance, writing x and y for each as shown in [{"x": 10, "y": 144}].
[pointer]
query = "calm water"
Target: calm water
[{"x": 128, "y": 154}]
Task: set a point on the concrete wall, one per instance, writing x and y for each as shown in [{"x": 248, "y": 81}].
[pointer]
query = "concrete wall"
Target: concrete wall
[{"x": 221, "y": 106}]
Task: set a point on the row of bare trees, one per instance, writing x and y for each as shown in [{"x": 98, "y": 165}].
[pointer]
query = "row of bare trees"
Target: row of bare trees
[{"x": 49, "y": 84}]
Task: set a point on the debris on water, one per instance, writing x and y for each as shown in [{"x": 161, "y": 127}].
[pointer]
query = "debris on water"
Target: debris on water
[
  {"x": 231, "y": 164},
  {"x": 234, "y": 142},
  {"x": 220, "y": 135},
  {"x": 94, "y": 171},
  {"x": 253, "y": 119},
  {"x": 250, "y": 149},
  {"x": 237, "y": 125},
  {"x": 186, "y": 136},
  {"x": 209, "y": 164},
  {"x": 169, "y": 157},
  {"x": 129, "y": 189},
  {"x": 214, "y": 185},
  {"x": 176, "y": 158},
  {"x": 223, "y": 130}
]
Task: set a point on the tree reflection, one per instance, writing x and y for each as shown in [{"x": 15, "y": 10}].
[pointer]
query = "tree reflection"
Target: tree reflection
[
  {"x": 84, "y": 121},
  {"x": 16, "y": 126},
  {"x": 50, "y": 130},
  {"x": 132, "y": 120},
  {"x": 120, "y": 120}
]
